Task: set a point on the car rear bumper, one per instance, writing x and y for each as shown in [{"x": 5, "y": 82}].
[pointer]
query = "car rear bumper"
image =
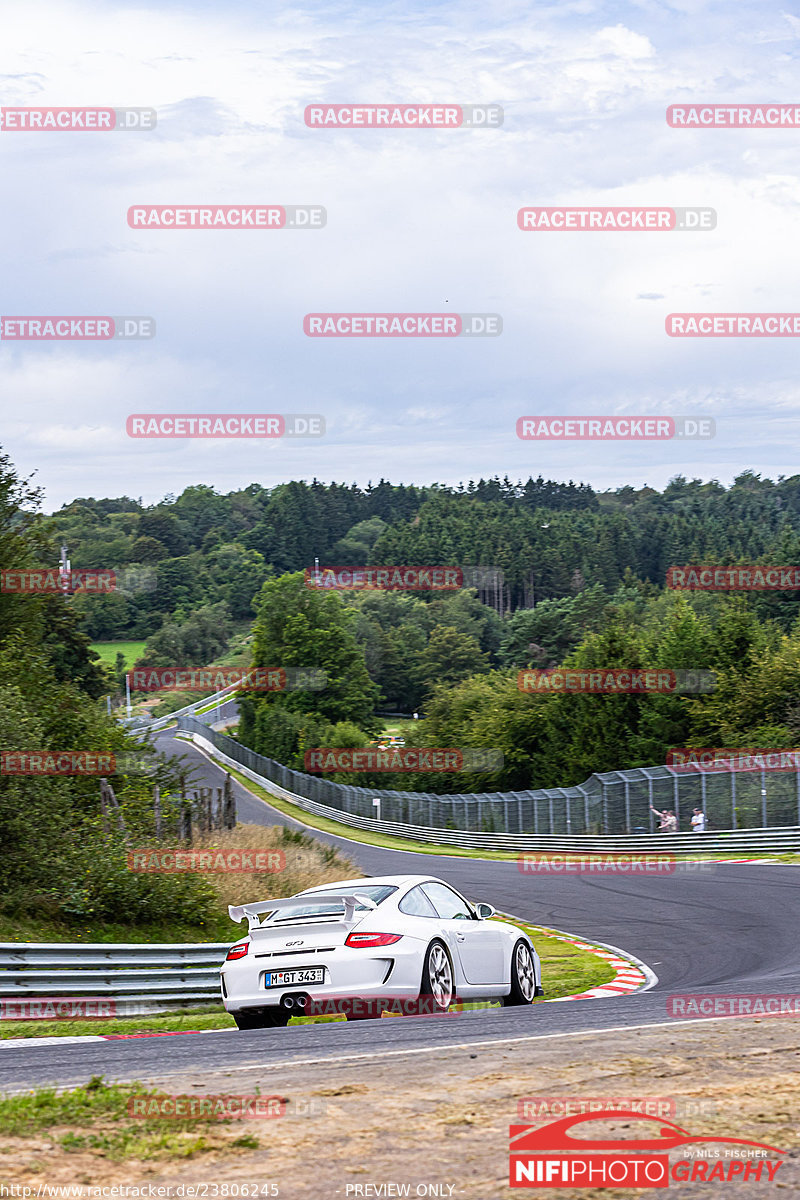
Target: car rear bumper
[
  {"x": 323, "y": 998},
  {"x": 349, "y": 974}
]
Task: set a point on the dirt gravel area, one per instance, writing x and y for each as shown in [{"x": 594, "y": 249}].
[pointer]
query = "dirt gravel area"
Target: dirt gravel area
[{"x": 437, "y": 1123}]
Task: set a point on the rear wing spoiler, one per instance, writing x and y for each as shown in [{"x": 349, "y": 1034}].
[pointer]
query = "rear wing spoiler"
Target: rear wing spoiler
[{"x": 237, "y": 912}]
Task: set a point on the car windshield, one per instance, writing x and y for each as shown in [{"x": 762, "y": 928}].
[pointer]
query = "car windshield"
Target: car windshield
[{"x": 318, "y": 906}]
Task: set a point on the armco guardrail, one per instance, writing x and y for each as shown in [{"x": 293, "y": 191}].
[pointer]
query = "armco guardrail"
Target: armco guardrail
[
  {"x": 214, "y": 701},
  {"x": 138, "y": 978},
  {"x": 731, "y": 842}
]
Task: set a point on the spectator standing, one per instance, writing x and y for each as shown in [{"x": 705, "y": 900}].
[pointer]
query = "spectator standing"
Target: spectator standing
[{"x": 668, "y": 822}]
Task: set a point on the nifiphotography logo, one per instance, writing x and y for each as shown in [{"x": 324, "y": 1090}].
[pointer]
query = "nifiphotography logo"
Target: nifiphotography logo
[{"x": 554, "y": 1155}]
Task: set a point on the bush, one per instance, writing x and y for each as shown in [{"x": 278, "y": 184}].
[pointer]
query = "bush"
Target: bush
[{"x": 96, "y": 884}]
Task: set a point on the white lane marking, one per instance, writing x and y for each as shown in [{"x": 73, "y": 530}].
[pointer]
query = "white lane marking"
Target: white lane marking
[
  {"x": 55, "y": 1040},
  {"x": 11, "y": 1043}
]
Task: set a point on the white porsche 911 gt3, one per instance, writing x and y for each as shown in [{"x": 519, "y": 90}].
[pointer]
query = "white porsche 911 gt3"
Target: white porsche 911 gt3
[{"x": 364, "y": 945}]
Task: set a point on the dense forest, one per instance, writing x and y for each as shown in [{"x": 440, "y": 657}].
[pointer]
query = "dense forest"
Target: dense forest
[
  {"x": 583, "y": 585},
  {"x": 549, "y": 539}
]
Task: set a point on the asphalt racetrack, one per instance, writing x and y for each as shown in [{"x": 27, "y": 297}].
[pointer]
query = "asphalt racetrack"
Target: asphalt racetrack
[{"x": 728, "y": 929}]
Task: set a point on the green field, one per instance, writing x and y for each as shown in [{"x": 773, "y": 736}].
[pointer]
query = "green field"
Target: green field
[
  {"x": 108, "y": 651},
  {"x": 398, "y": 726}
]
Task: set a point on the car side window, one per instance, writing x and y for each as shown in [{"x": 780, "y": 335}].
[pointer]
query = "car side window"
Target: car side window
[
  {"x": 417, "y": 904},
  {"x": 448, "y": 904}
]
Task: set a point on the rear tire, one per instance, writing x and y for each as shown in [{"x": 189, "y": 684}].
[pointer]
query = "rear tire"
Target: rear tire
[
  {"x": 260, "y": 1018},
  {"x": 523, "y": 976}
]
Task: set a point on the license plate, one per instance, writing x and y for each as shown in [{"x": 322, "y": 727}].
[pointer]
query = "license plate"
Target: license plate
[{"x": 291, "y": 978}]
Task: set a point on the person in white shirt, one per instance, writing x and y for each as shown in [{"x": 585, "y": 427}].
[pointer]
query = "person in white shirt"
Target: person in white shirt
[{"x": 698, "y": 821}]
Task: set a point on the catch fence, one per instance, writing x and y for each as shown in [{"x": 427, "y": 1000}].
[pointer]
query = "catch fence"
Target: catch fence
[{"x": 611, "y": 802}]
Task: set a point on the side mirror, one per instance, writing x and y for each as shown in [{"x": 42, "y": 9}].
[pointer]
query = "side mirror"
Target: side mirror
[{"x": 484, "y": 911}]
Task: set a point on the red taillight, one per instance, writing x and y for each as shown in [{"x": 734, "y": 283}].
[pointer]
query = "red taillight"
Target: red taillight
[
  {"x": 237, "y": 951},
  {"x": 360, "y": 940}
]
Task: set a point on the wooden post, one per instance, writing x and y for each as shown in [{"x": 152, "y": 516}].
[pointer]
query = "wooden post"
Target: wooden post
[
  {"x": 229, "y": 805},
  {"x": 104, "y": 808},
  {"x": 185, "y": 823},
  {"x": 200, "y": 809},
  {"x": 113, "y": 803}
]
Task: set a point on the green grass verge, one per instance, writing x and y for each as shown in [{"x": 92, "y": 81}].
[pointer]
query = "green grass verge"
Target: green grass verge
[
  {"x": 565, "y": 971},
  {"x": 95, "y": 1118},
  {"x": 108, "y": 651}
]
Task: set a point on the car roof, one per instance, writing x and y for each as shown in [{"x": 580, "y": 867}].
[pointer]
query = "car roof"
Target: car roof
[{"x": 399, "y": 881}]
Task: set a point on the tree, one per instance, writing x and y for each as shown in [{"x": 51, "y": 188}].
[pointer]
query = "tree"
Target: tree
[
  {"x": 189, "y": 640},
  {"x": 353, "y": 550},
  {"x": 163, "y": 526},
  {"x": 449, "y": 657},
  {"x": 148, "y": 550},
  {"x": 298, "y": 627}
]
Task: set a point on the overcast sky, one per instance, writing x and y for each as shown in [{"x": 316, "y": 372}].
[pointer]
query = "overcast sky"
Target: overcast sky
[{"x": 418, "y": 221}]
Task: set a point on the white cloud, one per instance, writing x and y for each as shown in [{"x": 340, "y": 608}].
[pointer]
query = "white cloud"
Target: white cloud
[{"x": 417, "y": 221}]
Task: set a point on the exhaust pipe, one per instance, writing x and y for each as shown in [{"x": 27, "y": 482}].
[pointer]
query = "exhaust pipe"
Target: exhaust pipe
[{"x": 298, "y": 1000}]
